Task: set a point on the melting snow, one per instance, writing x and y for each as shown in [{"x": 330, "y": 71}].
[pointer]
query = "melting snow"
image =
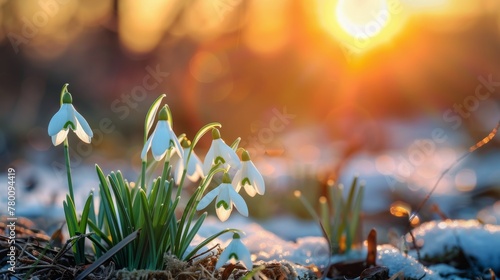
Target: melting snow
[{"x": 478, "y": 241}]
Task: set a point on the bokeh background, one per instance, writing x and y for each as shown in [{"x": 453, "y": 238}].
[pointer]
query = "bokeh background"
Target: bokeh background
[{"x": 392, "y": 90}]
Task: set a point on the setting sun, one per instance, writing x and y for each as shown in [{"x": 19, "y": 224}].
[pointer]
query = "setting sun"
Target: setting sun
[
  {"x": 361, "y": 25},
  {"x": 362, "y": 20}
]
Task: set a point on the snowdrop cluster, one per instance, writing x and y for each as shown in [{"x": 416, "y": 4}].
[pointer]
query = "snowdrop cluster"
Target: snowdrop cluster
[
  {"x": 227, "y": 194},
  {"x": 163, "y": 140},
  {"x": 219, "y": 155},
  {"x": 153, "y": 210}
]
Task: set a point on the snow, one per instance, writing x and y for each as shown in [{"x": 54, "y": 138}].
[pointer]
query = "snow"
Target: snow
[
  {"x": 266, "y": 246},
  {"x": 396, "y": 261},
  {"x": 481, "y": 243},
  {"x": 269, "y": 247}
]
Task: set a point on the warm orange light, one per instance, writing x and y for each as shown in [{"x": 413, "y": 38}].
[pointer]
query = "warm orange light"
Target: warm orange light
[
  {"x": 330, "y": 182},
  {"x": 268, "y": 31},
  {"x": 362, "y": 22},
  {"x": 415, "y": 221},
  {"x": 485, "y": 139},
  {"x": 400, "y": 209},
  {"x": 297, "y": 193},
  {"x": 361, "y": 25},
  {"x": 143, "y": 23}
]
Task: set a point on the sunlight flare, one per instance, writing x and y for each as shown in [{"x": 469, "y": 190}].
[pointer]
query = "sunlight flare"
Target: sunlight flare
[{"x": 359, "y": 26}]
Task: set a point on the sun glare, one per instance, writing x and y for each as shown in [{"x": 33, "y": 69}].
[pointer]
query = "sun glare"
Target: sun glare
[
  {"x": 360, "y": 25},
  {"x": 362, "y": 19}
]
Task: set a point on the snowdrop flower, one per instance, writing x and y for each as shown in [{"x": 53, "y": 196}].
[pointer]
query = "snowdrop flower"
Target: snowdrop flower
[
  {"x": 194, "y": 169},
  {"x": 67, "y": 117},
  {"x": 220, "y": 152},
  {"x": 162, "y": 139},
  {"x": 248, "y": 177},
  {"x": 226, "y": 198},
  {"x": 234, "y": 252}
]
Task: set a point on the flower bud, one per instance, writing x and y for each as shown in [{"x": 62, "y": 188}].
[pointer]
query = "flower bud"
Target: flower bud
[
  {"x": 245, "y": 156},
  {"x": 226, "y": 179},
  {"x": 163, "y": 114},
  {"x": 215, "y": 134},
  {"x": 67, "y": 98},
  {"x": 185, "y": 143}
]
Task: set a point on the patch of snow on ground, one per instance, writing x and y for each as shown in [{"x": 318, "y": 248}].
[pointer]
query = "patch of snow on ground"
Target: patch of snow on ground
[
  {"x": 391, "y": 257},
  {"x": 447, "y": 271},
  {"x": 479, "y": 242},
  {"x": 268, "y": 247}
]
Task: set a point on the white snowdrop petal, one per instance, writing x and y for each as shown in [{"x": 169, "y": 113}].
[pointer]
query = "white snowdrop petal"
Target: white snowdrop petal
[
  {"x": 243, "y": 254},
  {"x": 70, "y": 111},
  {"x": 160, "y": 140},
  {"x": 246, "y": 260},
  {"x": 195, "y": 170},
  {"x": 81, "y": 132},
  {"x": 194, "y": 164},
  {"x": 239, "y": 202},
  {"x": 207, "y": 199},
  {"x": 145, "y": 149},
  {"x": 237, "y": 180},
  {"x": 184, "y": 159},
  {"x": 230, "y": 155},
  {"x": 250, "y": 189},
  {"x": 58, "y": 121},
  {"x": 224, "y": 256},
  {"x": 193, "y": 177},
  {"x": 178, "y": 169},
  {"x": 59, "y": 137},
  {"x": 83, "y": 123},
  {"x": 199, "y": 167},
  {"x": 177, "y": 145},
  {"x": 224, "y": 196},
  {"x": 223, "y": 213},
  {"x": 257, "y": 179},
  {"x": 82, "y": 135},
  {"x": 209, "y": 159}
]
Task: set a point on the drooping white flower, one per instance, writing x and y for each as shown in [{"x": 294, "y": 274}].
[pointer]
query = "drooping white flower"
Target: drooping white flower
[
  {"x": 234, "y": 252},
  {"x": 220, "y": 152},
  {"x": 226, "y": 198},
  {"x": 67, "y": 117},
  {"x": 248, "y": 177},
  {"x": 194, "y": 168},
  {"x": 162, "y": 139}
]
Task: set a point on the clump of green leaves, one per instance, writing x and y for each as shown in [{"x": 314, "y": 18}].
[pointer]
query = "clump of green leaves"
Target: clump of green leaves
[
  {"x": 338, "y": 217},
  {"x": 124, "y": 209}
]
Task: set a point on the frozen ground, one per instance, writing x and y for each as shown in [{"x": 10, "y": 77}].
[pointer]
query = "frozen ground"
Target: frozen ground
[{"x": 479, "y": 243}]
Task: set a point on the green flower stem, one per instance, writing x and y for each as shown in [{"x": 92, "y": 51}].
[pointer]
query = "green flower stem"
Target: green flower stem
[
  {"x": 179, "y": 188},
  {"x": 165, "y": 169},
  {"x": 68, "y": 170},
  {"x": 143, "y": 176}
]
